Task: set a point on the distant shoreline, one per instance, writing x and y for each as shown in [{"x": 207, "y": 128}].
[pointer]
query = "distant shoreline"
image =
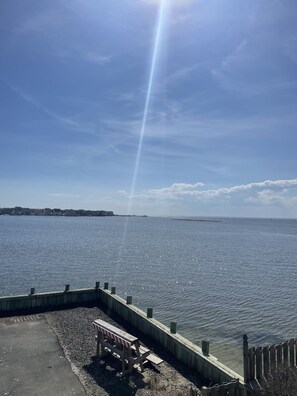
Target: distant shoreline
[{"x": 19, "y": 211}]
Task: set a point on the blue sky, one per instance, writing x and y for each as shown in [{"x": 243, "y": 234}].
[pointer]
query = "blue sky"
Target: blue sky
[{"x": 220, "y": 131}]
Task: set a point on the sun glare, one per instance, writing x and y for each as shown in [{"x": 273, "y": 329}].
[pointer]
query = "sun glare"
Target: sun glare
[{"x": 172, "y": 3}]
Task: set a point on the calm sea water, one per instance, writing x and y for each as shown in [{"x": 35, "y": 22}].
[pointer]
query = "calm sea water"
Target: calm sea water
[{"x": 217, "y": 279}]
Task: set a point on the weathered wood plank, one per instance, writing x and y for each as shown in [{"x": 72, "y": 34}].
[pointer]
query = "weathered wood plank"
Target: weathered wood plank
[
  {"x": 259, "y": 365},
  {"x": 279, "y": 355},
  {"x": 251, "y": 363},
  {"x": 115, "y": 330},
  {"x": 98, "y": 343},
  {"x": 272, "y": 350},
  {"x": 286, "y": 353},
  {"x": 292, "y": 352},
  {"x": 266, "y": 362},
  {"x": 246, "y": 372}
]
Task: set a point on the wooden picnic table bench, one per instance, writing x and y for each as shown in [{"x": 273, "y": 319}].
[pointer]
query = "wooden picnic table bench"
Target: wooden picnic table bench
[{"x": 111, "y": 339}]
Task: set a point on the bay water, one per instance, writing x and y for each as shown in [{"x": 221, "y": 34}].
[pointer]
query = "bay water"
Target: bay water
[{"x": 217, "y": 278}]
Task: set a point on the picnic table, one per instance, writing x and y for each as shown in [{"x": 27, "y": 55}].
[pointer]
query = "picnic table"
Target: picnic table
[{"x": 120, "y": 344}]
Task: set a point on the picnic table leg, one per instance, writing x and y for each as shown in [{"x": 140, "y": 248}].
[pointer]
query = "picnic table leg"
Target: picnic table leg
[
  {"x": 100, "y": 347},
  {"x": 123, "y": 362},
  {"x": 130, "y": 361},
  {"x": 98, "y": 343},
  {"x": 139, "y": 355}
]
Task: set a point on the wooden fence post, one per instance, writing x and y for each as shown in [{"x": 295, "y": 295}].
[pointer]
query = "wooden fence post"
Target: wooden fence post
[
  {"x": 173, "y": 326},
  {"x": 279, "y": 354},
  {"x": 272, "y": 357},
  {"x": 205, "y": 347},
  {"x": 245, "y": 358},
  {"x": 291, "y": 352},
  {"x": 266, "y": 365},
  {"x": 286, "y": 353},
  {"x": 259, "y": 364}
]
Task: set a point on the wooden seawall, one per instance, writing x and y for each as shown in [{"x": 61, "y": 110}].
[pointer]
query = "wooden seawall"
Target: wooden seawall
[
  {"x": 181, "y": 348},
  {"x": 38, "y": 302}
]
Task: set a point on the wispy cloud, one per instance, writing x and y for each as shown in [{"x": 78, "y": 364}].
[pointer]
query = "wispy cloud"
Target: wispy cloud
[
  {"x": 82, "y": 54},
  {"x": 62, "y": 195},
  {"x": 189, "y": 130},
  {"x": 49, "y": 19},
  {"x": 97, "y": 58},
  {"x": 253, "y": 68},
  {"x": 182, "y": 73},
  {"x": 290, "y": 48},
  {"x": 74, "y": 125}
]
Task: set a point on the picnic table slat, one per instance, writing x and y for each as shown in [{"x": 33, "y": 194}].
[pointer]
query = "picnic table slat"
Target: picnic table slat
[{"x": 115, "y": 330}]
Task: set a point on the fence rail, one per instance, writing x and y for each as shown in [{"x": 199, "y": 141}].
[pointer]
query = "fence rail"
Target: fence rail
[{"x": 259, "y": 362}]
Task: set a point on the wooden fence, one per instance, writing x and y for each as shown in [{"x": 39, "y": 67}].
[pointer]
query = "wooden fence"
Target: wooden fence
[
  {"x": 259, "y": 362},
  {"x": 232, "y": 388}
]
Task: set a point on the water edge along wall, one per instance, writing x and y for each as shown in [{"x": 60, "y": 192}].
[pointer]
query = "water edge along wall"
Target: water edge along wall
[{"x": 181, "y": 348}]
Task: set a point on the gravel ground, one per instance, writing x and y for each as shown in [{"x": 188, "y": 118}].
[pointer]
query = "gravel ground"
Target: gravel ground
[{"x": 77, "y": 337}]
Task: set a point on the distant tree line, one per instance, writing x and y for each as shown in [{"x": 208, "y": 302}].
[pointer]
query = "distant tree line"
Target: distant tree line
[{"x": 19, "y": 211}]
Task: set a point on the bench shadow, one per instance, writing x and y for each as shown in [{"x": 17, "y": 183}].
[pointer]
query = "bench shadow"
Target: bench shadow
[{"x": 106, "y": 373}]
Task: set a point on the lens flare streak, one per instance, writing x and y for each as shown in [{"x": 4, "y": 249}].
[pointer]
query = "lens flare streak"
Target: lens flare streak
[
  {"x": 148, "y": 97},
  {"x": 156, "y": 48}
]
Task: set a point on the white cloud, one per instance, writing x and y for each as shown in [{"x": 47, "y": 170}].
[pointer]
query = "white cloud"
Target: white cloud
[
  {"x": 176, "y": 188},
  {"x": 271, "y": 197},
  {"x": 181, "y": 190}
]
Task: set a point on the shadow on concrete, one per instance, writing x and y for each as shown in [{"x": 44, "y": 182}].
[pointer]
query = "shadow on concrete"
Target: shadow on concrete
[{"x": 106, "y": 373}]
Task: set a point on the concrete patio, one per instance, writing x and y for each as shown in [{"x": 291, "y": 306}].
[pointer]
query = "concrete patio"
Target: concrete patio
[{"x": 32, "y": 361}]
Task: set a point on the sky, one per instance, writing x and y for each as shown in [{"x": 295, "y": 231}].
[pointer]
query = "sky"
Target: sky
[{"x": 149, "y": 107}]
